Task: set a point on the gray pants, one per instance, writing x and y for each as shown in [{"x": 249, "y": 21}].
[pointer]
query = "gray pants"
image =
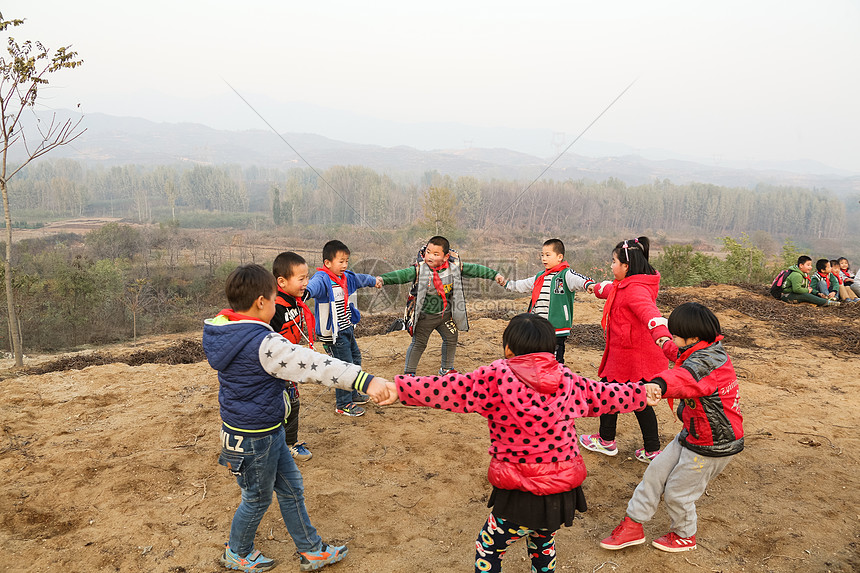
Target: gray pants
[
  {"x": 680, "y": 476},
  {"x": 427, "y": 323}
]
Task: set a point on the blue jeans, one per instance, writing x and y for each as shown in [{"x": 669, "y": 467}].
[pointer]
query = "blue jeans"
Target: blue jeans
[
  {"x": 345, "y": 348},
  {"x": 264, "y": 465}
]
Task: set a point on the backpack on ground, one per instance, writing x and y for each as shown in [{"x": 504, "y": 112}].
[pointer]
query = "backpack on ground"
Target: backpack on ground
[
  {"x": 776, "y": 287},
  {"x": 412, "y": 298}
]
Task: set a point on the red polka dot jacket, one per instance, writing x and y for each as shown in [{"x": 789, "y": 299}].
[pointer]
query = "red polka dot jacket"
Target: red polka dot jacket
[{"x": 530, "y": 403}]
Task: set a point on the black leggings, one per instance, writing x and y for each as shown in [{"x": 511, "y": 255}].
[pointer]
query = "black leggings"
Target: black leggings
[
  {"x": 647, "y": 423},
  {"x": 498, "y": 534}
]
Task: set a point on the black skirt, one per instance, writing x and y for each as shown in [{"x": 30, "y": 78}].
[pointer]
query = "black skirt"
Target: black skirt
[{"x": 537, "y": 511}]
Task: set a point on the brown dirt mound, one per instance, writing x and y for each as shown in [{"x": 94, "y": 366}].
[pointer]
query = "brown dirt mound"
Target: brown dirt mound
[{"x": 114, "y": 467}]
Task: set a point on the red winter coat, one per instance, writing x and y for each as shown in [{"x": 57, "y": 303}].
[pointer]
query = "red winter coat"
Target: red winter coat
[
  {"x": 530, "y": 403},
  {"x": 632, "y": 326},
  {"x": 705, "y": 380}
]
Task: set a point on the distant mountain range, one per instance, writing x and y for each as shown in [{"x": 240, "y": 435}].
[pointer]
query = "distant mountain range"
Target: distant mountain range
[{"x": 111, "y": 140}]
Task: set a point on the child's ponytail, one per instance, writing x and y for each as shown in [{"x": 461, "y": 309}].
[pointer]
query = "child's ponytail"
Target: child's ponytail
[{"x": 634, "y": 254}]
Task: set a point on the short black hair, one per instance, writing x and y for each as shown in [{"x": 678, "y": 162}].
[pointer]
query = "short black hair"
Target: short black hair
[
  {"x": 834, "y": 263},
  {"x": 634, "y": 254},
  {"x": 246, "y": 284},
  {"x": 332, "y": 248},
  {"x": 440, "y": 241},
  {"x": 694, "y": 320},
  {"x": 802, "y": 259},
  {"x": 556, "y": 245},
  {"x": 821, "y": 264},
  {"x": 527, "y": 333},
  {"x": 285, "y": 263}
]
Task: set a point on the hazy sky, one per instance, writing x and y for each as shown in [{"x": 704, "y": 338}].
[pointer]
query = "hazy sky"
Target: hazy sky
[{"x": 721, "y": 80}]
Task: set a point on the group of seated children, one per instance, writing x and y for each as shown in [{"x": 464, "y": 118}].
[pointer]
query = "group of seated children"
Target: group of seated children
[
  {"x": 529, "y": 397},
  {"x": 831, "y": 284}
]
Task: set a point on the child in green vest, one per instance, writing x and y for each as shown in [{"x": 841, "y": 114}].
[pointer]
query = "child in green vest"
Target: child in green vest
[
  {"x": 553, "y": 291},
  {"x": 440, "y": 304}
]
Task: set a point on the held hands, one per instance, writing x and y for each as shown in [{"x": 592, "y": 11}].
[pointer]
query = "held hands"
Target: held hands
[
  {"x": 670, "y": 349},
  {"x": 382, "y": 391},
  {"x": 378, "y": 282},
  {"x": 653, "y": 393},
  {"x": 501, "y": 280},
  {"x": 590, "y": 288}
]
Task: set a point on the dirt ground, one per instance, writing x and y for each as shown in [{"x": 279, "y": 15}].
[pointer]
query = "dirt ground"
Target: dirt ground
[{"x": 112, "y": 467}]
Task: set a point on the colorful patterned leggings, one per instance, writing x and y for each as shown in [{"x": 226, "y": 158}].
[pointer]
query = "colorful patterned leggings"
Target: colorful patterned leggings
[{"x": 498, "y": 534}]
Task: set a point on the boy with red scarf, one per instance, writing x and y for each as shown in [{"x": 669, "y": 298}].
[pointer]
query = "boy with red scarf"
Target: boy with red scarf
[
  {"x": 440, "y": 302},
  {"x": 553, "y": 291},
  {"x": 335, "y": 305},
  {"x": 292, "y": 320}
]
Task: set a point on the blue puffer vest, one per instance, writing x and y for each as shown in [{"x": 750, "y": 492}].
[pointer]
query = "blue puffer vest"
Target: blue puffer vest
[{"x": 251, "y": 401}]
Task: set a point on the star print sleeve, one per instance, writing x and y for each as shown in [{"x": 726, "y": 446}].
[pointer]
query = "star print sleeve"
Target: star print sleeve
[{"x": 287, "y": 361}]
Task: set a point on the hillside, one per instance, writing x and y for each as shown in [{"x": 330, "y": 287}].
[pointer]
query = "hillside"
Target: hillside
[
  {"x": 113, "y": 467},
  {"x": 111, "y": 141}
]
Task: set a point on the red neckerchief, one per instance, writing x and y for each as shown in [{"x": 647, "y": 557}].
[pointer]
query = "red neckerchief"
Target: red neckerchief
[
  {"x": 604, "y": 320},
  {"x": 539, "y": 280},
  {"x": 307, "y": 315},
  {"x": 826, "y": 278},
  {"x": 686, "y": 354},
  {"x": 341, "y": 282},
  {"x": 437, "y": 282},
  {"x": 233, "y": 315},
  {"x": 310, "y": 321}
]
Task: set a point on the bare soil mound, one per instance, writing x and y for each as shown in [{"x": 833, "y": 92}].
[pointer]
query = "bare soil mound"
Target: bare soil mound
[{"x": 109, "y": 458}]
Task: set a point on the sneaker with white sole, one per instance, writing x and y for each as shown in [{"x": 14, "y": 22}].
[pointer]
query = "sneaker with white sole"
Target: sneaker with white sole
[
  {"x": 351, "y": 410},
  {"x": 252, "y": 562},
  {"x": 595, "y": 443},
  {"x": 646, "y": 457},
  {"x": 673, "y": 543},
  {"x": 300, "y": 452},
  {"x": 626, "y": 534},
  {"x": 328, "y": 554}
]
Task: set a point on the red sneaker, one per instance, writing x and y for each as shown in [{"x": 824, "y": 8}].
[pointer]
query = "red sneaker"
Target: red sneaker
[
  {"x": 673, "y": 543},
  {"x": 626, "y": 534}
]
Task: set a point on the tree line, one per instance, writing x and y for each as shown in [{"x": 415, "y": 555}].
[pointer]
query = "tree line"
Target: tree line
[{"x": 355, "y": 195}]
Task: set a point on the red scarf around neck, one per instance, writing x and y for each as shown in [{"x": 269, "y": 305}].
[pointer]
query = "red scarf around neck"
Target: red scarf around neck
[
  {"x": 604, "y": 320},
  {"x": 437, "y": 282},
  {"x": 539, "y": 280},
  {"x": 341, "y": 282},
  {"x": 826, "y": 278},
  {"x": 310, "y": 321}
]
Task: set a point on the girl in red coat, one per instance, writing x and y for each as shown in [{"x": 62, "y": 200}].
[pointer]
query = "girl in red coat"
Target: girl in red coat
[
  {"x": 631, "y": 325},
  {"x": 530, "y": 402}
]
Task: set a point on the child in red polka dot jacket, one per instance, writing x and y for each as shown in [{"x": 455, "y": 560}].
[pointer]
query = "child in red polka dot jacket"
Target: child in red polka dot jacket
[{"x": 530, "y": 401}]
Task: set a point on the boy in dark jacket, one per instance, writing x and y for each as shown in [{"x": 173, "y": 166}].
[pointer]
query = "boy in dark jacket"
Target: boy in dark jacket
[
  {"x": 705, "y": 381},
  {"x": 295, "y": 322},
  {"x": 252, "y": 363}
]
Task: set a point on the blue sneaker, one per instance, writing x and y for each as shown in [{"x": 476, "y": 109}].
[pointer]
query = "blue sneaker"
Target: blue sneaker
[
  {"x": 328, "y": 554},
  {"x": 350, "y": 410},
  {"x": 362, "y": 399},
  {"x": 300, "y": 452},
  {"x": 252, "y": 562}
]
